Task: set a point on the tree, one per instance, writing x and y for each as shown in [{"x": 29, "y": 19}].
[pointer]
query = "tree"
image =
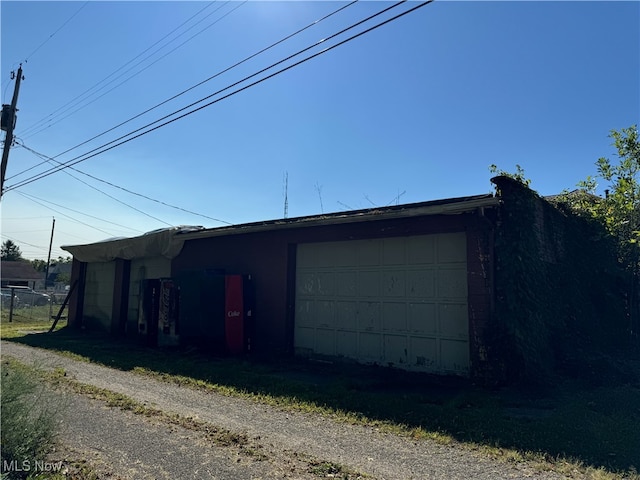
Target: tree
[
  {"x": 39, "y": 265},
  {"x": 519, "y": 175},
  {"x": 619, "y": 210},
  {"x": 10, "y": 251},
  {"x": 63, "y": 278},
  {"x": 62, "y": 259}
]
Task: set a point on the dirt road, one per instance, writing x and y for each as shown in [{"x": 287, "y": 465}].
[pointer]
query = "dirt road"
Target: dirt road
[{"x": 275, "y": 443}]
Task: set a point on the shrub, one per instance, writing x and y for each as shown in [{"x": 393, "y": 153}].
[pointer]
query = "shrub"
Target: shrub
[{"x": 28, "y": 421}]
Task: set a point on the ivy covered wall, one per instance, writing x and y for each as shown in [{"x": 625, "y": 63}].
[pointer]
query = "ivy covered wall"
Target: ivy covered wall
[{"x": 559, "y": 290}]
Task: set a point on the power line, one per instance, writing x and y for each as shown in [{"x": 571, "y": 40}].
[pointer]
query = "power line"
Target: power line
[
  {"x": 219, "y": 91},
  {"x": 52, "y": 35},
  {"x": 105, "y": 147},
  {"x": 106, "y": 194},
  {"x": 76, "y": 101},
  {"x": 50, "y": 116},
  {"x": 237, "y": 64},
  {"x": 50, "y": 159},
  {"x": 28, "y": 197},
  {"x": 15, "y": 240}
]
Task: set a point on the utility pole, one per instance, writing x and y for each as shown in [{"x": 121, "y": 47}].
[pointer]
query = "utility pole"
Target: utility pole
[
  {"x": 46, "y": 275},
  {"x": 9, "y": 123}
]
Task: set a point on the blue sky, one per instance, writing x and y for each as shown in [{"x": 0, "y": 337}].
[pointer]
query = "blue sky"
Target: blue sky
[{"x": 413, "y": 111}]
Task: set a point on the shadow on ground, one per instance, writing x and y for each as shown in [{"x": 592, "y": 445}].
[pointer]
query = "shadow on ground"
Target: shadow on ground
[{"x": 598, "y": 425}]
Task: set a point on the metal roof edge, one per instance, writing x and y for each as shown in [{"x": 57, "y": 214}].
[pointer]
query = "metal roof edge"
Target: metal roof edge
[
  {"x": 437, "y": 207},
  {"x": 168, "y": 242}
]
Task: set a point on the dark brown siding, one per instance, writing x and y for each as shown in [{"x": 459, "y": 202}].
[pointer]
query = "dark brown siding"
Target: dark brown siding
[{"x": 270, "y": 258}]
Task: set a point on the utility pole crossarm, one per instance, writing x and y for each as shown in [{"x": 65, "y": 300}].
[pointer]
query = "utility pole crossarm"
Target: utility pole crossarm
[{"x": 10, "y": 124}]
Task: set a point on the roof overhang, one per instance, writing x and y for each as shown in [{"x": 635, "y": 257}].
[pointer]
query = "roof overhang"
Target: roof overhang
[
  {"x": 169, "y": 242},
  {"x": 160, "y": 243},
  {"x": 439, "y": 207}
]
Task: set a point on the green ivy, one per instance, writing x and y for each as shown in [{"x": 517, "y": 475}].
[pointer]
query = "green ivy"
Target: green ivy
[{"x": 558, "y": 284}]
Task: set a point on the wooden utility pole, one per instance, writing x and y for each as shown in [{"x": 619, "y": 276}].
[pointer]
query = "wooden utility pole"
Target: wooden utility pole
[
  {"x": 9, "y": 113},
  {"x": 46, "y": 275}
]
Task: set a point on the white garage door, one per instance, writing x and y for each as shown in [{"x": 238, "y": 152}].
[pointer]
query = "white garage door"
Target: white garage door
[{"x": 398, "y": 301}]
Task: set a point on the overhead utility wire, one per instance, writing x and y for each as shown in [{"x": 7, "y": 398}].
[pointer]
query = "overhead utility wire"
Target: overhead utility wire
[
  {"x": 27, "y": 196},
  {"x": 40, "y": 126},
  {"x": 15, "y": 240},
  {"x": 113, "y": 143},
  {"x": 52, "y": 35},
  {"x": 30, "y": 196},
  {"x": 226, "y": 88},
  {"x": 95, "y": 153},
  {"x": 136, "y": 73},
  {"x": 104, "y": 193},
  {"x": 246, "y": 59},
  {"x": 52, "y": 114},
  {"x": 50, "y": 159}
]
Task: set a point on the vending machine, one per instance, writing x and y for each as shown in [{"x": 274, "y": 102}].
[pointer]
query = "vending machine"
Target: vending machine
[
  {"x": 168, "y": 313},
  {"x": 158, "y": 318},
  {"x": 238, "y": 313}
]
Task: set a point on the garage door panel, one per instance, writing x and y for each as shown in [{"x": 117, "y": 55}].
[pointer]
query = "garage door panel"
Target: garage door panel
[
  {"x": 325, "y": 314},
  {"x": 421, "y": 250},
  {"x": 347, "y": 344},
  {"x": 394, "y": 317},
  {"x": 328, "y": 254},
  {"x": 422, "y": 319},
  {"x": 394, "y": 251},
  {"x": 398, "y": 301},
  {"x": 347, "y": 315},
  {"x": 393, "y": 283},
  {"x": 421, "y": 283},
  {"x": 346, "y": 283},
  {"x": 305, "y": 339},
  {"x": 305, "y": 313},
  {"x": 424, "y": 353},
  {"x": 369, "y": 317},
  {"x": 305, "y": 283},
  {"x": 453, "y": 320},
  {"x": 343, "y": 254},
  {"x": 368, "y": 283},
  {"x": 396, "y": 349},
  {"x": 325, "y": 341},
  {"x": 368, "y": 253}
]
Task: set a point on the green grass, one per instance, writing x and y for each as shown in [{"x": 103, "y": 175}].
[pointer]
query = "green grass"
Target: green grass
[
  {"x": 218, "y": 436},
  {"x": 591, "y": 427},
  {"x": 29, "y": 415},
  {"x": 28, "y": 320}
]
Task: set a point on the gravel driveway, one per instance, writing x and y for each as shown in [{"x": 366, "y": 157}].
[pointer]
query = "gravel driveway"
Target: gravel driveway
[{"x": 133, "y": 446}]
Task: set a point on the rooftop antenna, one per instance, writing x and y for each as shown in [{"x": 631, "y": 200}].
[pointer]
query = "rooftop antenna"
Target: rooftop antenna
[
  {"x": 369, "y": 200},
  {"x": 397, "y": 198},
  {"x": 286, "y": 192},
  {"x": 319, "y": 190}
]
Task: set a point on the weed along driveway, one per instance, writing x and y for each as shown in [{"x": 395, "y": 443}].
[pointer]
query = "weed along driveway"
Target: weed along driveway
[
  {"x": 143, "y": 413},
  {"x": 164, "y": 430}
]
